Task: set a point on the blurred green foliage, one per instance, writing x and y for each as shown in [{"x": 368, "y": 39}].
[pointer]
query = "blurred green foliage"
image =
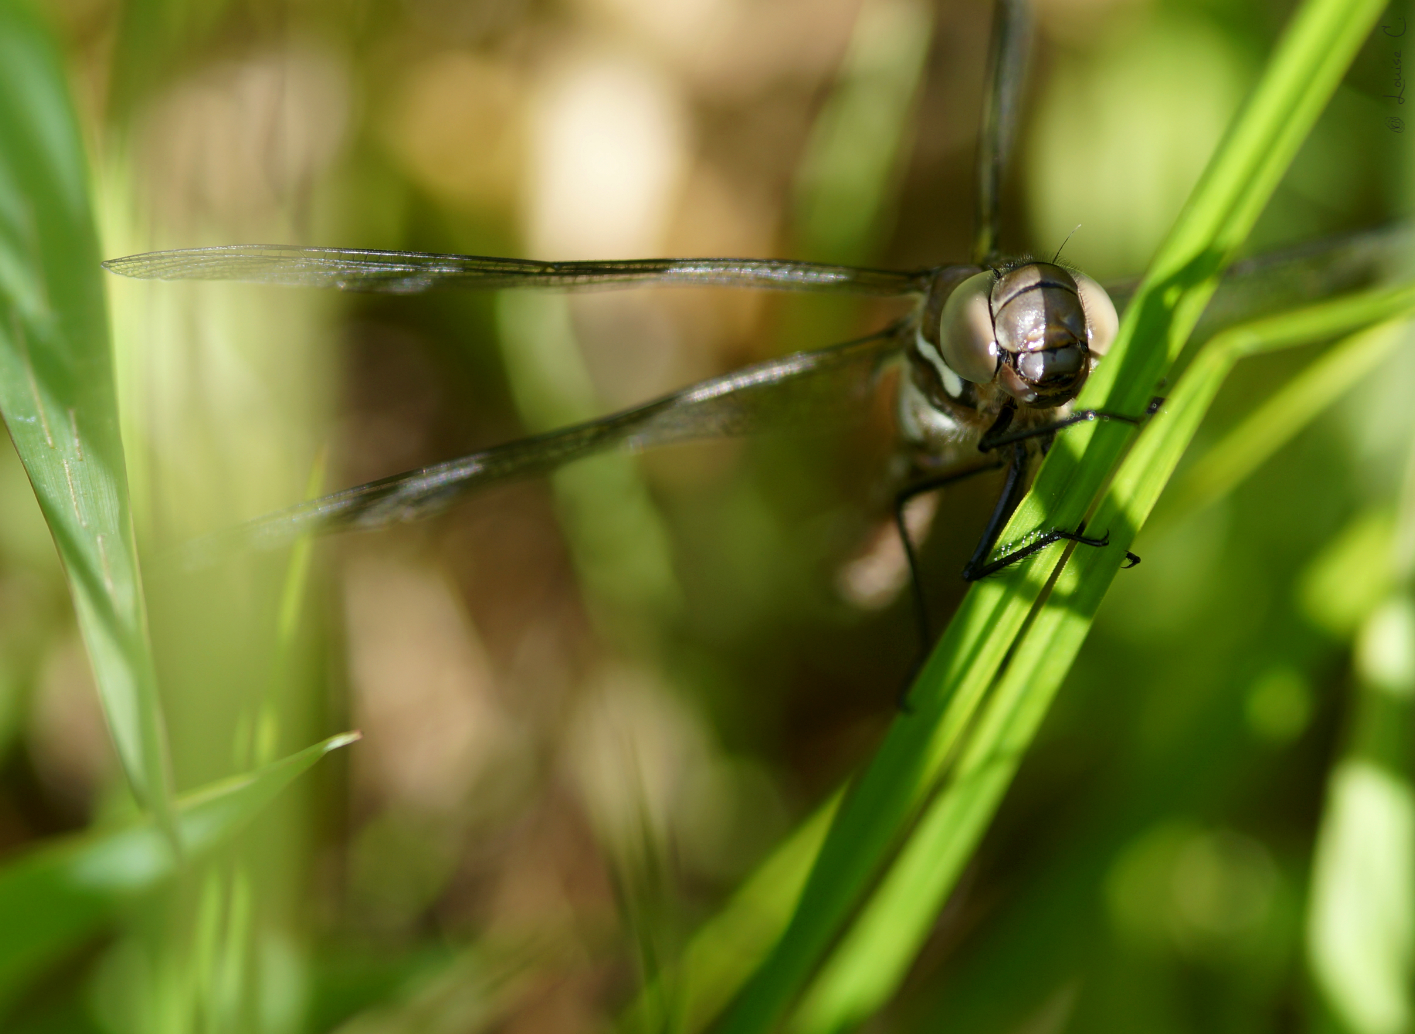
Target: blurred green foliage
[{"x": 593, "y": 707}]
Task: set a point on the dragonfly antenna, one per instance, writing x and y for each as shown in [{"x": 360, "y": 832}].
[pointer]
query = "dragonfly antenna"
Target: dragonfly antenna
[{"x": 1063, "y": 243}]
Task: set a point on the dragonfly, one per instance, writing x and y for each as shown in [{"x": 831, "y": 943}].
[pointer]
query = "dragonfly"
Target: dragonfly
[{"x": 990, "y": 359}]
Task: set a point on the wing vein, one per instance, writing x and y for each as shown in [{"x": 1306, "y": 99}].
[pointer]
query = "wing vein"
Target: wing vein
[
  {"x": 403, "y": 272},
  {"x": 799, "y": 390}
]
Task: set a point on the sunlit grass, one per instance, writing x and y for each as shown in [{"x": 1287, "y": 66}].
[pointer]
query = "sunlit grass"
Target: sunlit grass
[
  {"x": 59, "y": 398},
  {"x": 60, "y": 402},
  {"x": 248, "y": 932},
  {"x": 885, "y": 799}
]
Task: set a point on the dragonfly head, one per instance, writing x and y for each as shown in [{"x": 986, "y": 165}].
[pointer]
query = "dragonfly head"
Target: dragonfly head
[{"x": 1034, "y": 328}]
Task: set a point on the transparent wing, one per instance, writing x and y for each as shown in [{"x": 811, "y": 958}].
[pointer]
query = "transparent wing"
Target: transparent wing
[
  {"x": 1306, "y": 273},
  {"x": 799, "y": 390},
  {"x": 1299, "y": 275},
  {"x": 406, "y": 272}
]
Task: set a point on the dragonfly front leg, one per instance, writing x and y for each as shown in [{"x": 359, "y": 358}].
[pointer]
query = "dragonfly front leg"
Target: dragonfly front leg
[
  {"x": 1056, "y": 535},
  {"x": 980, "y": 567},
  {"x": 1012, "y": 491},
  {"x": 999, "y": 434},
  {"x": 911, "y": 556}
]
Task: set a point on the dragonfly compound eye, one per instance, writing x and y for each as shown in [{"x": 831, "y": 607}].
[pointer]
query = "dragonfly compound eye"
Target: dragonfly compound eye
[
  {"x": 1101, "y": 321},
  {"x": 965, "y": 333},
  {"x": 1042, "y": 331},
  {"x": 1055, "y": 372}
]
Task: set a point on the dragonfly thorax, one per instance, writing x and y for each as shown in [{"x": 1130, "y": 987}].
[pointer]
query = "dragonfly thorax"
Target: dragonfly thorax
[{"x": 1033, "y": 329}]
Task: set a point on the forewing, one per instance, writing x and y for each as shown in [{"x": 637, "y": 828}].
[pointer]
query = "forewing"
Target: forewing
[
  {"x": 406, "y": 272},
  {"x": 799, "y": 391}
]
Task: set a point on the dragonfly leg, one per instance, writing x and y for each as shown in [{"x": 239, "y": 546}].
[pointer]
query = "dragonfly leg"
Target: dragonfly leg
[
  {"x": 1012, "y": 491},
  {"x": 977, "y": 569},
  {"x": 999, "y": 434},
  {"x": 1055, "y": 535},
  {"x": 921, "y": 610}
]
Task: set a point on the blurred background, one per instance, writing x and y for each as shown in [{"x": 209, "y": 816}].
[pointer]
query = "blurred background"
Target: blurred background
[{"x": 591, "y": 704}]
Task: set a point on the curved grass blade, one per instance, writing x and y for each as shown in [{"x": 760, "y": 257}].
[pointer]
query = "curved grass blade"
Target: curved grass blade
[
  {"x": 57, "y": 391},
  {"x": 1306, "y": 67},
  {"x": 58, "y": 895},
  {"x": 875, "y": 956},
  {"x": 723, "y": 952},
  {"x": 1273, "y": 424}
]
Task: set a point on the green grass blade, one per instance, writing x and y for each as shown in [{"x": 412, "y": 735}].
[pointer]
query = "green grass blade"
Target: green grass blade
[
  {"x": 264, "y": 742},
  {"x": 723, "y": 952},
  {"x": 152, "y": 37},
  {"x": 616, "y": 534},
  {"x": 1360, "y": 935},
  {"x": 56, "y": 896},
  {"x": 1273, "y": 424},
  {"x": 854, "y": 150},
  {"x": 1320, "y": 42},
  {"x": 874, "y": 957},
  {"x": 57, "y": 390}
]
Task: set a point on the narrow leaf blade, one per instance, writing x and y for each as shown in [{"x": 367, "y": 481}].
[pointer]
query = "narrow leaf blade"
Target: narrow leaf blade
[
  {"x": 61, "y": 893},
  {"x": 57, "y": 392}
]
